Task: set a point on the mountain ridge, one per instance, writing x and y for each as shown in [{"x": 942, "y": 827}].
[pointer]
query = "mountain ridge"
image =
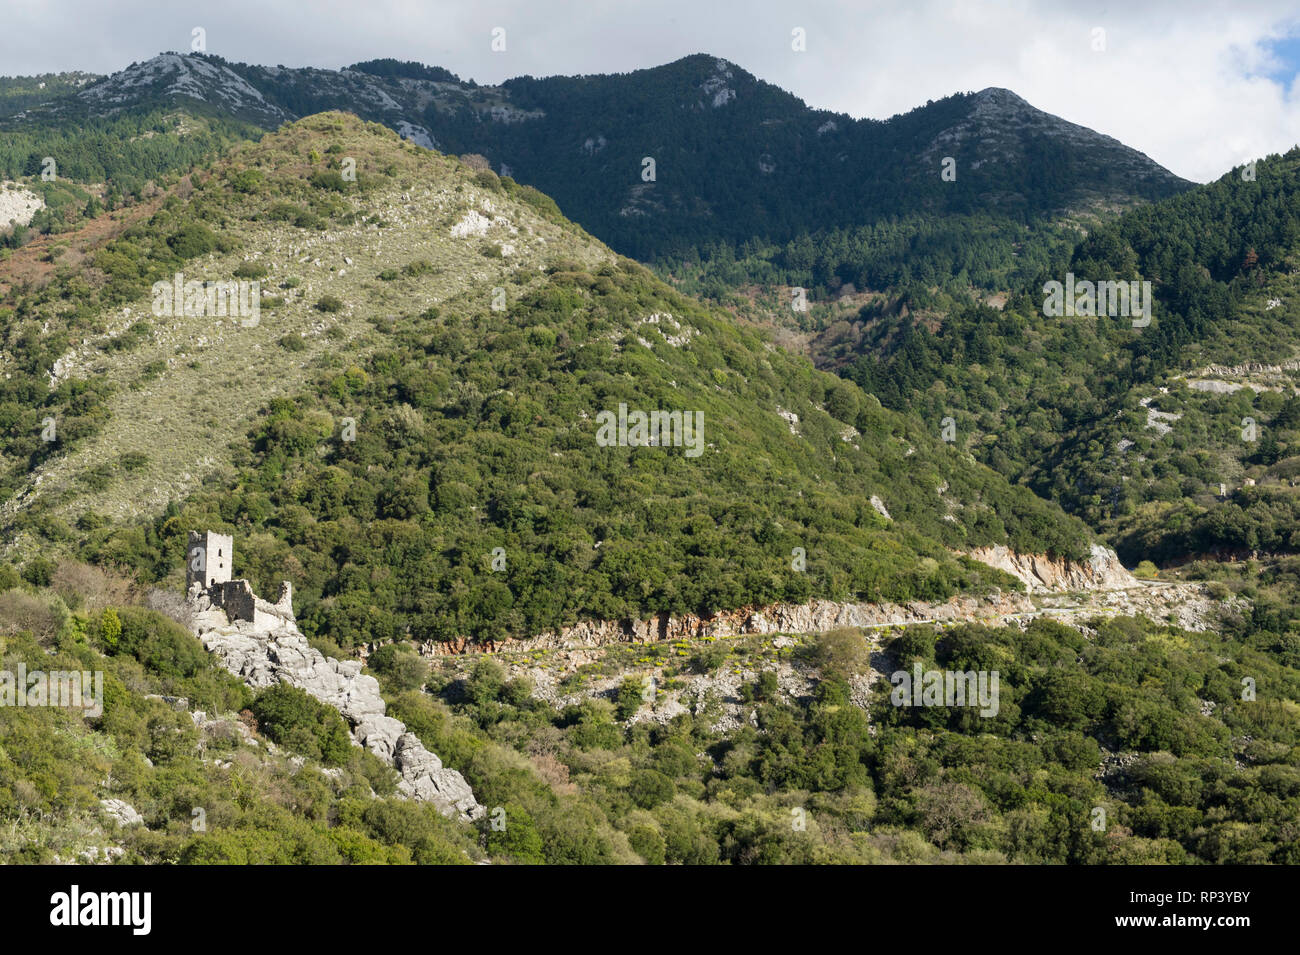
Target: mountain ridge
[{"x": 715, "y": 130}]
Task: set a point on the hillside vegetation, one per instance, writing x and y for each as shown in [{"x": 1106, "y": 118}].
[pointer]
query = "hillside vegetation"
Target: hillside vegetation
[
  {"x": 408, "y": 427},
  {"x": 210, "y": 772},
  {"x": 1130, "y": 742},
  {"x": 1130, "y": 427},
  {"x": 472, "y": 428}
]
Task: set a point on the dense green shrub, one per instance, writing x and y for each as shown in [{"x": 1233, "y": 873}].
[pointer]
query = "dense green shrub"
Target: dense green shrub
[
  {"x": 291, "y": 717},
  {"x": 192, "y": 240},
  {"x": 399, "y": 667}
]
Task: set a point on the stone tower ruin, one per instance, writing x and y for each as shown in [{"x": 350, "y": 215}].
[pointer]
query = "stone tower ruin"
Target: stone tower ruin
[
  {"x": 209, "y": 586},
  {"x": 208, "y": 559}
]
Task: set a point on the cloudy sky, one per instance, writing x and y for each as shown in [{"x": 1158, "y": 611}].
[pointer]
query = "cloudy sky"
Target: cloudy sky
[{"x": 1198, "y": 86}]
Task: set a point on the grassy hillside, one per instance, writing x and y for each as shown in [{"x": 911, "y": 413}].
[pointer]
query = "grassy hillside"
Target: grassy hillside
[{"x": 409, "y": 433}]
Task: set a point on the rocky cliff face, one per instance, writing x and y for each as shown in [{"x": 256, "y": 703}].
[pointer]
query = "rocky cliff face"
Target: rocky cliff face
[
  {"x": 262, "y": 654},
  {"x": 813, "y": 617},
  {"x": 1041, "y": 574}
]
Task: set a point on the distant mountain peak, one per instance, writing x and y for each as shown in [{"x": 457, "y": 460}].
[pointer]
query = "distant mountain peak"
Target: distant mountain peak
[
  {"x": 706, "y": 61},
  {"x": 999, "y": 93},
  {"x": 1000, "y": 96},
  {"x": 185, "y": 75},
  {"x": 1002, "y": 128}
]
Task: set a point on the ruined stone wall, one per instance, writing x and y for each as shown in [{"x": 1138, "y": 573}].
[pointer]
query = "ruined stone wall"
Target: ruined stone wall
[
  {"x": 269, "y": 616},
  {"x": 237, "y": 599}
]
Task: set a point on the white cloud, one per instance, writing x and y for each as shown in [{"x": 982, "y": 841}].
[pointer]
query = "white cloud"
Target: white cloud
[{"x": 1193, "y": 86}]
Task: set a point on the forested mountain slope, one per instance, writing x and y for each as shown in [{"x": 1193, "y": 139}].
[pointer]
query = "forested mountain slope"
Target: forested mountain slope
[
  {"x": 1178, "y": 437},
  {"x": 422, "y": 393}
]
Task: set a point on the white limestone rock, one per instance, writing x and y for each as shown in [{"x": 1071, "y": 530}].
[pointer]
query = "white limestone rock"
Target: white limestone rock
[{"x": 121, "y": 812}]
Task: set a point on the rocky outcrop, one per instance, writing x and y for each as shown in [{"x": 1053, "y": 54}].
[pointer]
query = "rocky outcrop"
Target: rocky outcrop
[
  {"x": 121, "y": 812},
  {"x": 715, "y": 695},
  {"x": 1215, "y": 387},
  {"x": 1185, "y": 605},
  {"x": 1249, "y": 368},
  {"x": 18, "y": 205},
  {"x": 1258, "y": 376},
  {"x": 275, "y": 651},
  {"x": 1042, "y": 574}
]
